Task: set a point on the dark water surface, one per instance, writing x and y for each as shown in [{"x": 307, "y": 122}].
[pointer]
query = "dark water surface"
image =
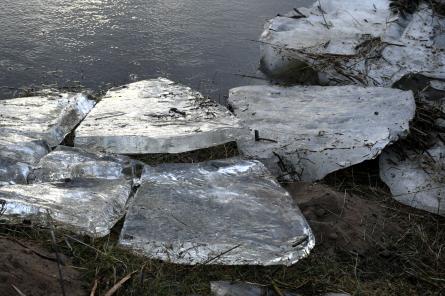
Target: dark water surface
[{"x": 101, "y": 43}]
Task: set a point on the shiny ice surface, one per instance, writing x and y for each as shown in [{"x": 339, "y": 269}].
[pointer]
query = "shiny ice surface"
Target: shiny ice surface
[
  {"x": 86, "y": 206},
  {"x": 16, "y": 159},
  {"x": 48, "y": 118},
  {"x": 218, "y": 212},
  {"x": 306, "y": 133},
  {"x": 29, "y": 126},
  {"x": 78, "y": 190},
  {"x": 74, "y": 163},
  {"x": 12, "y": 172},
  {"x": 416, "y": 180},
  {"x": 155, "y": 116},
  {"x": 349, "y": 41}
]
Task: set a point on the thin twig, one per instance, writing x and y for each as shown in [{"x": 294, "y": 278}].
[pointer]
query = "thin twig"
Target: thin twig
[
  {"x": 18, "y": 291},
  {"x": 93, "y": 248},
  {"x": 276, "y": 289},
  {"x": 53, "y": 239},
  {"x": 119, "y": 284},
  {"x": 220, "y": 255},
  {"x": 31, "y": 249},
  {"x": 322, "y": 13},
  {"x": 2, "y": 207},
  {"x": 93, "y": 290},
  {"x": 250, "y": 76}
]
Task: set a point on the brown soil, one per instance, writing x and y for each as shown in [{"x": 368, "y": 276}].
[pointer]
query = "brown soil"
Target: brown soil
[
  {"x": 343, "y": 221},
  {"x": 33, "y": 271}
]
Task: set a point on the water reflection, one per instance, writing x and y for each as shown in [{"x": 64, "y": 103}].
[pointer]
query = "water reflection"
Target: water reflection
[{"x": 99, "y": 43}]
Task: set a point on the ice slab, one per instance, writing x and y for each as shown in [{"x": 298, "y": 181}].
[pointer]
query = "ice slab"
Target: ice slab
[
  {"x": 223, "y": 288},
  {"x": 155, "y": 116},
  {"x": 13, "y": 172},
  {"x": 86, "y": 206},
  {"x": 76, "y": 190},
  {"x": 73, "y": 163},
  {"x": 305, "y": 133},
  {"x": 349, "y": 41},
  {"x": 47, "y": 118},
  {"x": 218, "y": 212},
  {"x": 29, "y": 126},
  {"x": 416, "y": 180}
]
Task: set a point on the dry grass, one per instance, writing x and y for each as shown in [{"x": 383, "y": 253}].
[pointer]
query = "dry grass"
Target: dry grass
[
  {"x": 218, "y": 152},
  {"x": 410, "y": 263}
]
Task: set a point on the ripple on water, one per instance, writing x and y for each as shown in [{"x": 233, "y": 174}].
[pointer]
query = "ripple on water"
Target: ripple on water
[{"x": 100, "y": 42}]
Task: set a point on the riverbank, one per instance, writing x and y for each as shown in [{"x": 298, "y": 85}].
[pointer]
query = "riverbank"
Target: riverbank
[{"x": 367, "y": 244}]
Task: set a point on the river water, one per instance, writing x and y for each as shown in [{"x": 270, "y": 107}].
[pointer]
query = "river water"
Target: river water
[{"x": 205, "y": 44}]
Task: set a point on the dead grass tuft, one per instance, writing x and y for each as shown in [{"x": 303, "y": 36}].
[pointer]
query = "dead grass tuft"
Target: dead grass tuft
[
  {"x": 409, "y": 262},
  {"x": 218, "y": 152}
]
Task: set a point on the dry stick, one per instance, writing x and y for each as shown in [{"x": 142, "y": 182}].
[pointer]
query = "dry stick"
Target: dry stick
[
  {"x": 31, "y": 249},
  {"x": 2, "y": 206},
  {"x": 93, "y": 290},
  {"x": 322, "y": 13},
  {"x": 62, "y": 285},
  {"x": 93, "y": 248},
  {"x": 276, "y": 289},
  {"x": 18, "y": 291},
  {"x": 220, "y": 255},
  {"x": 250, "y": 76},
  {"x": 119, "y": 284},
  {"x": 53, "y": 240}
]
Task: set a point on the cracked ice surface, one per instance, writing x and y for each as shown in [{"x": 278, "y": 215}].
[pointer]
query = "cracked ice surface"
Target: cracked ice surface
[
  {"x": 155, "y": 116},
  {"x": 76, "y": 190},
  {"x": 218, "y": 212},
  {"x": 306, "y": 133},
  {"x": 349, "y": 41},
  {"x": 416, "y": 180},
  {"x": 30, "y": 126}
]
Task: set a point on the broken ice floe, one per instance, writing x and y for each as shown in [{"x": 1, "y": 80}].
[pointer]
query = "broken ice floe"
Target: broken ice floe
[
  {"x": 86, "y": 206},
  {"x": 349, "y": 41},
  {"x": 306, "y": 133},
  {"x": 76, "y": 190},
  {"x": 73, "y": 163},
  {"x": 416, "y": 180},
  {"x": 30, "y": 126},
  {"x": 218, "y": 212},
  {"x": 12, "y": 172},
  {"x": 47, "y": 118},
  {"x": 155, "y": 116},
  {"x": 223, "y": 288}
]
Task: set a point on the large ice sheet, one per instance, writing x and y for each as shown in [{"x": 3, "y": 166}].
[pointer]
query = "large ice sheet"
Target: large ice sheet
[
  {"x": 218, "y": 212},
  {"x": 305, "y": 133},
  {"x": 29, "y": 126},
  {"x": 349, "y": 41},
  {"x": 417, "y": 180},
  {"x": 76, "y": 190},
  {"x": 155, "y": 116}
]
